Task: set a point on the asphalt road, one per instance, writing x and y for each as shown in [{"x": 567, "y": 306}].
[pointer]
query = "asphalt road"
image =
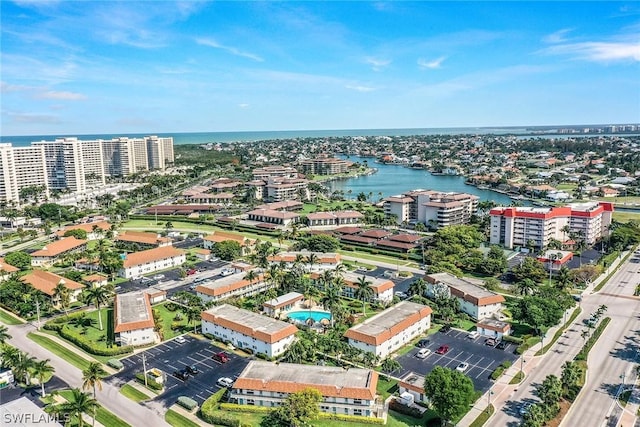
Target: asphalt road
[
  {"x": 109, "y": 396},
  {"x": 615, "y": 354},
  {"x": 607, "y": 361}
]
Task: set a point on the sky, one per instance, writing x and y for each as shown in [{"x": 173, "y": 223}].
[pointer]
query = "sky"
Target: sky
[{"x": 90, "y": 67}]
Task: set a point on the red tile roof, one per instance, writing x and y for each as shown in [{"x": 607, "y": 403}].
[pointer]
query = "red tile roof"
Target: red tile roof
[
  {"x": 59, "y": 247},
  {"x": 45, "y": 282}
]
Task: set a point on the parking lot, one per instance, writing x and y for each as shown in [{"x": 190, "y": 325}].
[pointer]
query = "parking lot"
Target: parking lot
[
  {"x": 482, "y": 359},
  {"x": 173, "y": 356}
]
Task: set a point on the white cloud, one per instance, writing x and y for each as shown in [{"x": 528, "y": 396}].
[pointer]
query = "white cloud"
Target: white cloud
[
  {"x": 61, "y": 95},
  {"x": 360, "y": 88},
  {"x": 243, "y": 105},
  {"x": 598, "y": 51},
  {"x": 8, "y": 88},
  {"x": 230, "y": 49},
  {"x": 377, "y": 64},
  {"x": 557, "y": 37},
  {"x": 431, "y": 65},
  {"x": 33, "y": 118}
]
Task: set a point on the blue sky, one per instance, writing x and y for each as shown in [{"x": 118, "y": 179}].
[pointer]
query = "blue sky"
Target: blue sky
[{"x": 78, "y": 67}]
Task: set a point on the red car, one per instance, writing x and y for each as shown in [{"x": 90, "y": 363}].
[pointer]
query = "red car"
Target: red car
[
  {"x": 221, "y": 357},
  {"x": 442, "y": 349},
  {"x": 191, "y": 271}
]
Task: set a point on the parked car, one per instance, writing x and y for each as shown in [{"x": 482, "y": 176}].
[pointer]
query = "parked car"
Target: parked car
[
  {"x": 180, "y": 339},
  {"x": 462, "y": 367},
  {"x": 401, "y": 295},
  {"x": 423, "y": 343},
  {"x": 445, "y": 328},
  {"x": 524, "y": 408},
  {"x": 423, "y": 353},
  {"x": 158, "y": 277},
  {"x": 225, "y": 382},
  {"x": 193, "y": 369},
  {"x": 181, "y": 374},
  {"x": 473, "y": 335},
  {"x": 226, "y": 272},
  {"x": 490, "y": 341},
  {"x": 221, "y": 357},
  {"x": 191, "y": 271},
  {"x": 443, "y": 349},
  {"x": 501, "y": 345}
]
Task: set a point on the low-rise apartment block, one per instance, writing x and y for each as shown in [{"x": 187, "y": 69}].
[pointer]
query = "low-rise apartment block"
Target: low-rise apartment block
[
  {"x": 517, "y": 226},
  {"x": 133, "y": 319},
  {"x": 52, "y": 252},
  {"x": 476, "y": 301},
  {"x": 325, "y": 166},
  {"x": 382, "y": 288},
  {"x": 311, "y": 260},
  {"x": 276, "y": 306},
  {"x": 142, "y": 240},
  {"x": 248, "y": 330},
  {"x": 391, "y": 329},
  {"x": 344, "y": 391},
  {"x": 46, "y": 283},
  {"x": 140, "y": 263},
  {"x": 234, "y": 285}
]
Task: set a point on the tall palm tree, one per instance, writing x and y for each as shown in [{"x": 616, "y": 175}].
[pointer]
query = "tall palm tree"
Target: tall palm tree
[
  {"x": 312, "y": 259},
  {"x": 250, "y": 276},
  {"x": 40, "y": 370},
  {"x": 331, "y": 297},
  {"x": 91, "y": 378},
  {"x": 4, "y": 334},
  {"x": 526, "y": 287},
  {"x": 363, "y": 292},
  {"x": 193, "y": 315},
  {"x": 10, "y": 355},
  {"x": 23, "y": 366},
  {"x": 98, "y": 295},
  {"x": 79, "y": 404},
  {"x": 62, "y": 295}
]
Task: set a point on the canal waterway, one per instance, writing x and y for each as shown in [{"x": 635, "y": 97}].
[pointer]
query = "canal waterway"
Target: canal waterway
[{"x": 391, "y": 180}]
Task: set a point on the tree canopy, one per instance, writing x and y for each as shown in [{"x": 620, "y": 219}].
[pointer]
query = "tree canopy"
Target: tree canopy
[
  {"x": 319, "y": 243},
  {"x": 297, "y": 410},
  {"x": 450, "y": 392},
  {"x": 77, "y": 233},
  {"x": 227, "y": 250},
  {"x": 18, "y": 259}
]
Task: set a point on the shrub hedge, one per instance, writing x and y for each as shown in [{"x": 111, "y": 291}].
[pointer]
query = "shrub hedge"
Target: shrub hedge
[
  {"x": 218, "y": 419},
  {"x": 91, "y": 347},
  {"x": 351, "y": 418},
  {"x": 244, "y": 408},
  {"x": 187, "y": 403},
  {"x": 404, "y": 409}
]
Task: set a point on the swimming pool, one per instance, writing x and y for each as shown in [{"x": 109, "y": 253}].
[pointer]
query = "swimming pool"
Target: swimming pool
[{"x": 304, "y": 315}]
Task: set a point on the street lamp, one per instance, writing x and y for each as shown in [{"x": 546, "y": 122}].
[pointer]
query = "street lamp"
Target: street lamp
[
  {"x": 522, "y": 362},
  {"x": 489, "y": 399}
]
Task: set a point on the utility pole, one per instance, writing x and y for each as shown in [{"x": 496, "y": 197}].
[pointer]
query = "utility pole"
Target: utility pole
[
  {"x": 38, "y": 313},
  {"x": 144, "y": 368}
]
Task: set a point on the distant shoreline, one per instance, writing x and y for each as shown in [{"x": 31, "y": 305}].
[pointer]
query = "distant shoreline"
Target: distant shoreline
[{"x": 199, "y": 138}]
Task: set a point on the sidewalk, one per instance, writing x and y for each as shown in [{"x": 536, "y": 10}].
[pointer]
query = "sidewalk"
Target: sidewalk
[{"x": 502, "y": 390}]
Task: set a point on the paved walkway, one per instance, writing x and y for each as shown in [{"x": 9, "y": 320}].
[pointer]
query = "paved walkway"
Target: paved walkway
[{"x": 501, "y": 391}]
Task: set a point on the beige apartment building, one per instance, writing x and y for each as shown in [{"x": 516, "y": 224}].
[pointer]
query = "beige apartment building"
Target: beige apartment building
[{"x": 435, "y": 208}]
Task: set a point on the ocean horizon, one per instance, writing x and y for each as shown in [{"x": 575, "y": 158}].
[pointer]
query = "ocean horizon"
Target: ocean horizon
[{"x": 182, "y": 138}]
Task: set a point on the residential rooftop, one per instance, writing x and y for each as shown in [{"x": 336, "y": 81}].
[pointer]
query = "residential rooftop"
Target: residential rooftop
[
  {"x": 249, "y": 323},
  {"x": 132, "y": 311}
]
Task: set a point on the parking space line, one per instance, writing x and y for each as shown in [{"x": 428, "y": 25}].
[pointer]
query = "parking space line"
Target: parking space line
[{"x": 172, "y": 367}]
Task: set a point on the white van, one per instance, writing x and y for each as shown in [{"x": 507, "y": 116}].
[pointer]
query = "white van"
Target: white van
[{"x": 423, "y": 353}]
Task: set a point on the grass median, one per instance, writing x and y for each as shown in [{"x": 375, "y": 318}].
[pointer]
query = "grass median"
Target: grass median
[
  {"x": 59, "y": 350},
  {"x": 178, "y": 420},
  {"x": 103, "y": 416},
  {"x": 9, "y": 319},
  {"x": 133, "y": 393}
]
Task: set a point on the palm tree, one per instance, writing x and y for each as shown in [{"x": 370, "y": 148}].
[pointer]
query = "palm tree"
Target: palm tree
[
  {"x": 526, "y": 286},
  {"x": 250, "y": 276},
  {"x": 80, "y": 403},
  {"x": 311, "y": 260},
  {"x": 419, "y": 287},
  {"x": 4, "y": 334},
  {"x": 98, "y": 295},
  {"x": 62, "y": 295},
  {"x": 363, "y": 291},
  {"x": 23, "y": 366},
  {"x": 309, "y": 290},
  {"x": 193, "y": 315},
  {"x": 331, "y": 297},
  {"x": 40, "y": 370},
  {"x": 10, "y": 355},
  {"x": 91, "y": 378}
]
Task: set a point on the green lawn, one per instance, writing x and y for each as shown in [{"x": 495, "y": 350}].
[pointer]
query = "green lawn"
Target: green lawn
[
  {"x": 65, "y": 353},
  {"x": 177, "y": 420},
  {"x": 9, "y": 319},
  {"x": 104, "y": 417},
  {"x": 626, "y": 216},
  {"x": 386, "y": 387},
  {"x": 133, "y": 393},
  {"x": 396, "y": 419},
  {"x": 168, "y": 320},
  {"x": 483, "y": 417}
]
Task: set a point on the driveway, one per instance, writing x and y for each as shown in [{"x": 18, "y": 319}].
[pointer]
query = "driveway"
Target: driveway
[
  {"x": 172, "y": 356},
  {"x": 482, "y": 359}
]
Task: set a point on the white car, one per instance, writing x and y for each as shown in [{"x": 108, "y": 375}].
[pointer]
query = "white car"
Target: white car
[
  {"x": 180, "y": 339},
  {"x": 226, "y": 272},
  {"x": 462, "y": 367},
  {"x": 473, "y": 335},
  {"x": 225, "y": 382},
  {"x": 423, "y": 353}
]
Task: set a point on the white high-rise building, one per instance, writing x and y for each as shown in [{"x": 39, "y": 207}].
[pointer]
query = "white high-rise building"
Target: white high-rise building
[
  {"x": 8, "y": 184},
  {"x": 77, "y": 165}
]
